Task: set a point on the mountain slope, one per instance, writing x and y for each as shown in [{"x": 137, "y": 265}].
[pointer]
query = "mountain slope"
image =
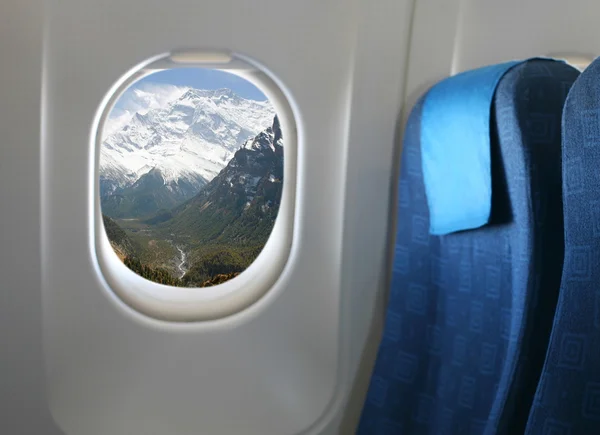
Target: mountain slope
[
  {"x": 150, "y": 193},
  {"x": 244, "y": 197},
  {"x": 226, "y": 225},
  {"x": 119, "y": 240}
]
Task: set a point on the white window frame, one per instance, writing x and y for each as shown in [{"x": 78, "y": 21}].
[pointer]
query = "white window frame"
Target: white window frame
[{"x": 180, "y": 304}]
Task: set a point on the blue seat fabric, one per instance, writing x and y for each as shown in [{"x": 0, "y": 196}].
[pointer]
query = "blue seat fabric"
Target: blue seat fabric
[
  {"x": 469, "y": 313},
  {"x": 567, "y": 401}
]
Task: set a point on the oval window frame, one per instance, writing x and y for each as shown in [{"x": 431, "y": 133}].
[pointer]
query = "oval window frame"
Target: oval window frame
[{"x": 183, "y": 304}]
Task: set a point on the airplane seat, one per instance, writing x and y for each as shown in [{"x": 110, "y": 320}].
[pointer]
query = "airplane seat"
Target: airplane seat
[
  {"x": 567, "y": 401},
  {"x": 478, "y": 254}
]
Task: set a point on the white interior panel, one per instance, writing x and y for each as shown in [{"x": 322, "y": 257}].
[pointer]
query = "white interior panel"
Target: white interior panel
[
  {"x": 23, "y": 405},
  {"x": 456, "y": 35}
]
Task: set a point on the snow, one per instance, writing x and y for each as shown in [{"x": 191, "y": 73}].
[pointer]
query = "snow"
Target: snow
[
  {"x": 261, "y": 142},
  {"x": 182, "y": 132},
  {"x": 140, "y": 100}
]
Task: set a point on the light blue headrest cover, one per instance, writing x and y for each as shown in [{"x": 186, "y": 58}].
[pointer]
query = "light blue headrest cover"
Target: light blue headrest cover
[{"x": 456, "y": 149}]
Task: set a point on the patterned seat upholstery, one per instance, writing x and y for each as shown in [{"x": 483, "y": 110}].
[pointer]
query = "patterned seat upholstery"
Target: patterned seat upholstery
[
  {"x": 469, "y": 313},
  {"x": 567, "y": 401}
]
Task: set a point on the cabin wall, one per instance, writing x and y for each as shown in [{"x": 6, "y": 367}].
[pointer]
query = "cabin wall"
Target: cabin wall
[
  {"x": 285, "y": 364},
  {"x": 23, "y": 404}
]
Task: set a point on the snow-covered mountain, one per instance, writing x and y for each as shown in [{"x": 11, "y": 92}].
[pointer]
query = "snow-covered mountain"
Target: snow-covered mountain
[
  {"x": 190, "y": 138},
  {"x": 140, "y": 99}
]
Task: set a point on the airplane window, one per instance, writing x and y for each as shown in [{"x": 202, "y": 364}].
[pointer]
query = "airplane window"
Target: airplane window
[{"x": 191, "y": 175}]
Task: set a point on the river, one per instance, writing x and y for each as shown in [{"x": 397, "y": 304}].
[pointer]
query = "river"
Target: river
[{"x": 181, "y": 265}]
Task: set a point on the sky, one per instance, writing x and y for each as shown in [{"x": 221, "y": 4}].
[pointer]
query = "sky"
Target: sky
[
  {"x": 206, "y": 78},
  {"x": 199, "y": 78}
]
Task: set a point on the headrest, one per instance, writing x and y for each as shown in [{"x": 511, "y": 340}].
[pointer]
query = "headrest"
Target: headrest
[{"x": 456, "y": 148}]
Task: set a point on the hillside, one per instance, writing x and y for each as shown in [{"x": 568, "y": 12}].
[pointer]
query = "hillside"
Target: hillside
[
  {"x": 119, "y": 240},
  {"x": 240, "y": 204},
  {"x": 148, "y": 194},
  {"x": 226, "y": 225}
]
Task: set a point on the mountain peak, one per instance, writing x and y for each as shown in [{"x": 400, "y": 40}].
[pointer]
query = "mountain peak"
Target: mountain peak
[
  {"x": 268, "y": 139},
  {"x": 139, "y": 117},
  {"x": 225, "y": 92},
  {"x": 193, "y": 94}
]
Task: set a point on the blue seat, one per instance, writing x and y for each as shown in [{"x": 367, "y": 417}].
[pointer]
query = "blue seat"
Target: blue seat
[
  {"x": 469, "y": 314},
  {"x": 567, "y": 401}
]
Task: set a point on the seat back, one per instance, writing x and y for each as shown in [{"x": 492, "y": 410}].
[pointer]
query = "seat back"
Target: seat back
[
  {"x": 469, "y": 313},
  {"x": 567, "y": 400}
]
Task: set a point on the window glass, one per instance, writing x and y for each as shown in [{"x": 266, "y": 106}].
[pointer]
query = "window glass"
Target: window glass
[{"x": 191, "y": 174}]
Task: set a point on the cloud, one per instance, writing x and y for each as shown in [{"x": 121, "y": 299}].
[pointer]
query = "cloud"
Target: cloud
[
  {"x": 140, "y": 98},
  {"x": 148, "y": 96}
]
